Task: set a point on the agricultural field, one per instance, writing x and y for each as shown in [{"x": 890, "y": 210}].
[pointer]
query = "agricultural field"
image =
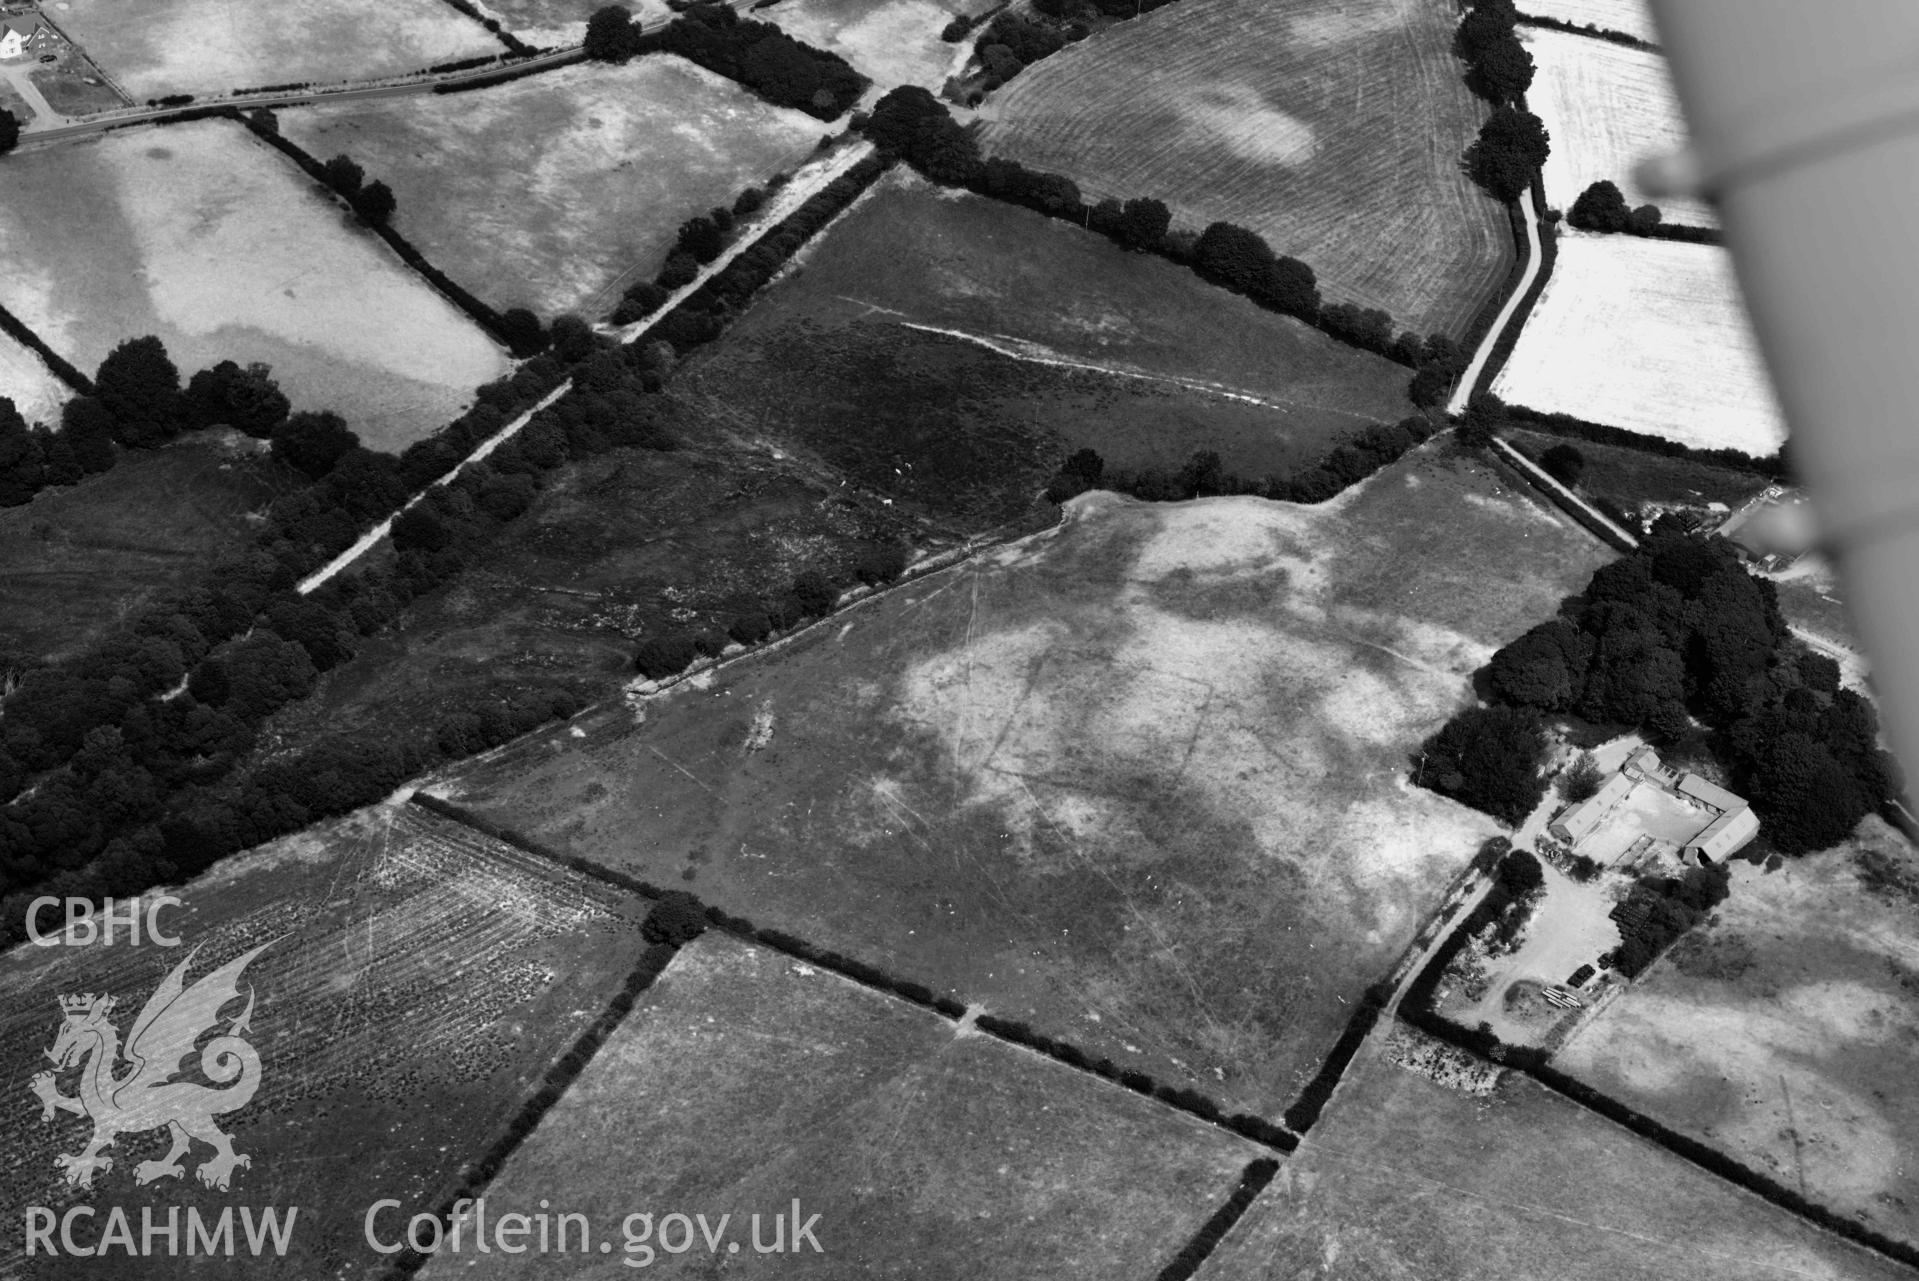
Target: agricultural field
[
  {"x": 79, "y": 558},
  {"x": 928, "y": 324},
  {"x": 554, "y": 24},
  {"x": 417, "y": 981},
  {"x": 1633, "y": 476},
  {"x": 1139, "y": 781},
  {"x": 1650, "y": 335},
  {"x": 208, "y": 239},
  {"x": 614, "y": 548},
  {"x": 1405, "y": 1177},
  {"x": 743, "y": 1080},
  {"x": 1335, "y": 135},
  {"x": 1782, "y": 1032},
  {"x": 1633, "y": 17},
  {"x": 1607, "y": 108},
  {"x": 555, "y": 191},
  {"x": 891, "y": 42},
  {"x": 207, "y": 47},
  {"x": 30, "y": 385}
]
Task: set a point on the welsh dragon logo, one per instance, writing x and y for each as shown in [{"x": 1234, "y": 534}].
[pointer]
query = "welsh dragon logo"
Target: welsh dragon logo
[{"x": 145, "y": 1096}]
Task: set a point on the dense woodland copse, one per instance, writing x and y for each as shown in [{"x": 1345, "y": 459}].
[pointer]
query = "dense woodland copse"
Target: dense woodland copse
[
  {"x": 784, "y": 71},
  {"x": 1680, "y": 642}
]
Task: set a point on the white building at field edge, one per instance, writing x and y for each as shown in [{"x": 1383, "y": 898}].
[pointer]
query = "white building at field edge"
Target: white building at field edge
[{"x": 1732, "y": 825}]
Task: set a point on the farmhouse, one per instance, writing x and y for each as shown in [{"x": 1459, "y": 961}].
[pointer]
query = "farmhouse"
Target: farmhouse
[
  {"x": 1731, "y": 825},
  {"x": 24, "y": 35}
]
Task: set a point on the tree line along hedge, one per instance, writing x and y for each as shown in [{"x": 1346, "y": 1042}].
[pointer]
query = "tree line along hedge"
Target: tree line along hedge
[
  {"x": 757, "y": 55},
  {"x": 1252, "y": 1181},
  {"x": 1204, "y": 475},
  {"x": 180, "y": 810},
  {"x": 481, "y": 1171},
  {"x": 910, "y": 124},
  {"x": 1602, "y": 207},
  {"x": 1499, "y": 69}
]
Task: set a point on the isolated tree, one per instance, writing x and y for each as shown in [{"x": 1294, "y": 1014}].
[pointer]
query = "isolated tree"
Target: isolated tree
[
  {"x": 140, "y": 387},
  {"x": 1564, "y": 463},
  {"x": 662, "y": 656},
  {"x": 611, "y": 35},
  {"x": 522, "y": 331},
  {"x": 1232, "y": 256},
  {"x": 9, "y": 132},
  {"x": 1600, "y": 207},
  {"x": 677, "y": 919},
  {"x": 313, "y": 442},
  {"x": 701, "y": 239},
  {"x": 375, "y": 203},
  {"x": 1488, "y": 758},
  {"x": 344, "y": 175},
  {"x": 1508, "y": 152},
  {"x": 571, "y": 339},
  {"x": 246, "y": 399}
]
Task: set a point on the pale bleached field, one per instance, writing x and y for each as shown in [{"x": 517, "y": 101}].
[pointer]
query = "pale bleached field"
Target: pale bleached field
[
  {"x": 1649, "y": 335},
  {"x": 889, "y": 41},
  {"x": 30, "y": 385},
  {"x": 1782, "y": 1032},
  {"x": 210, "y": 241},
  {"x": 1607, "y": 107},
  {"x": 155, "y": 47},
  {"x": 1633, "y": 17},
  {"x": 551, "y": 191}
]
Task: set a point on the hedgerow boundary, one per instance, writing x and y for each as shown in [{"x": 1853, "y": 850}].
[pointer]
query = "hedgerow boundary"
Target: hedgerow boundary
[
  {"x": 566, "y": 1067},
  {"x": 1252, "y": 1181},
  {"x": 1590, "y": 30},
  {"x": 1416, "y": 1008},
  {"x": 479, "y": 312},
  {"x": 1191, "y": 1102},
  {"x": 20, "y": 332},
  {"x": 1503, "y": 345}
]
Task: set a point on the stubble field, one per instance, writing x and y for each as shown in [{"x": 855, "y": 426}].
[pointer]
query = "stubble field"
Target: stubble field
[
  {"x": 417, "y": 982},
  {"x": 207, "y": 47},
  {"x": 1607, "y": 108},
  {"x": 1783, "y": 1032},
  {"x": 206, "y": 238},
  {"x": 743, "y": 1081},
  {"x": 1336, "y": 135},
  {"x": 551, "y": 191},
  {"x": 891, "y": 42},
  {"x": 1650, "y": 335},
  {"x": 1408, "y": 1178},
  {"x": 1140, "y": 782}
]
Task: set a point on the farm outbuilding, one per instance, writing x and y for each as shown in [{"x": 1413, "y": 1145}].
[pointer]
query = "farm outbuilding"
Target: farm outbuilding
[
  {"x": 1582, "y": 818},
  {"x": 1725, "y": 835}
]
